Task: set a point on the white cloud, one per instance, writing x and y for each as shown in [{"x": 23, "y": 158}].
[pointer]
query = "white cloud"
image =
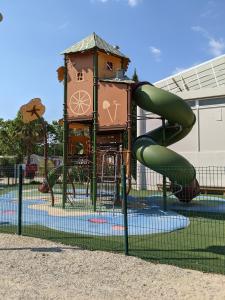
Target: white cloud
[
  {"x": 181, "y": 69},
  {"x": 178, "y": 70},
  {"x": 210, "y": 10},
  {"x": 101, "y": 1},
  {"x": 134, "y": 2},
  {"x": 63, "y": 26},
  {"x": 156, "y": 53},
  {"x": 199, "y": 29},
  {"x": 131, "y": 3},
  {"x": 216, "y": 47}
]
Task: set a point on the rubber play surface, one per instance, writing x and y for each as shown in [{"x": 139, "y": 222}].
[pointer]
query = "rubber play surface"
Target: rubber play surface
[{"x": 146, "y": 221}]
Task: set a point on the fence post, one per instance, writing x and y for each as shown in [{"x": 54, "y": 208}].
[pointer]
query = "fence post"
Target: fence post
[
  {"x": 164, "y": 177},
  {"x": 124, "y": 205},
  {"x": 19, "y": 226}
]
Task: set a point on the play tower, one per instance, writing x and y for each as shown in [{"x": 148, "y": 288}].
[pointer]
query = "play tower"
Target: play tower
[
  {"x": 97, "y": 110},
  {"x": 97, "y": 124}
]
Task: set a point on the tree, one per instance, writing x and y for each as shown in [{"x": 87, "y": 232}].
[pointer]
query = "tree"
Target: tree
[
  {"x": 55, "y": 138},
  {"x": 9, "y": 144},
  {"x": 29, "y": 134},
  {"x": 135, "y": 76},
  {"x": 134, "y": 125},
  {"x": 19, "y": 139},
  {"x": 134, "y": 109}
]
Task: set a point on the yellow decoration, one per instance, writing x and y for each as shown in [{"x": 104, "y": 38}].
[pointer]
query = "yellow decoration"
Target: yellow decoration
[
  {"x": 33, "y": 110},
  {"x": 61, "y": 71}
]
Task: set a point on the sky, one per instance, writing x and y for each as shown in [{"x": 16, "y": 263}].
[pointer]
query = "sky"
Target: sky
[{"x": 161, "y": 37}]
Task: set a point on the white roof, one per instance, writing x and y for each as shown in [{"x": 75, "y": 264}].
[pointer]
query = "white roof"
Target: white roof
[{"x": 209, "y": 74}]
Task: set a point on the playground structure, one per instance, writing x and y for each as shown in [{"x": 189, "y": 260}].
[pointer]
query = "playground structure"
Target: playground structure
[
  {"x": 89, "y": 184},
  {"x": 97, "y": 124}
]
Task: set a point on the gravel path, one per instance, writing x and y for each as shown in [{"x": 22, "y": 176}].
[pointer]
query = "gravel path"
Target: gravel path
[{"x": 37, "y": 269}]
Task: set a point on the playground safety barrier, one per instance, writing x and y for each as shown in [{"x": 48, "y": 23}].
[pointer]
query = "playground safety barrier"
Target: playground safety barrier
[{"x": 150, "y": 223}]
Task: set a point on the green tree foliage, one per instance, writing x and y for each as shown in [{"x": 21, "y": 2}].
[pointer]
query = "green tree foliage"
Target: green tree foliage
[
  {"x": 134, "y": 124},
  {"x": 133, "y": 114},
  {"x": 55, "y": 138},
  {"x": 20, "y": 140},
  {"x": 28, "y": 136},
  {"x": 134, "y": 109},
  {"x": 135, "y": 76}
]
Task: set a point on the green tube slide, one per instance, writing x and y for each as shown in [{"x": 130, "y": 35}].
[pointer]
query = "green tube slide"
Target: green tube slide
[{"x": 150, "y": 148}]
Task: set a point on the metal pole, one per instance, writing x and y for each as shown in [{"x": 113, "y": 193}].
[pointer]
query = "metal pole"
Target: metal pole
[
  {"x": 44, "y": 128},
  {"x": 65, "y": 136},
  {"x": 20, "y": 195},
  {"x": 95, "y": 128},
  {"x": 164, "y": 177},
  {"x": 124, "y": 199}
]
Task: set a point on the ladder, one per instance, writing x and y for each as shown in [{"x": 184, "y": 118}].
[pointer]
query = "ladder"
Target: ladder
[{"x": 109, "y": 177}]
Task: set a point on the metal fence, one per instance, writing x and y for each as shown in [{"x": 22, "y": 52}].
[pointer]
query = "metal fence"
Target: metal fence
[{"x": 190, "y": 235}]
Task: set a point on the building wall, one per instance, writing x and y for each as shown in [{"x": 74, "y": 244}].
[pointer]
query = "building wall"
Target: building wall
[{"x": 205, "y": 144}]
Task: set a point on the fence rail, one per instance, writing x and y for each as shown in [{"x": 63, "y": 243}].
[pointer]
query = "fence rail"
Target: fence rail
[{"x": 190, "y": 235}]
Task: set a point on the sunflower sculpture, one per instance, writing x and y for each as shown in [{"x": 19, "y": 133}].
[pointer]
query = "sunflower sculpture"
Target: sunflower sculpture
[{"x": 30, "y": 112}]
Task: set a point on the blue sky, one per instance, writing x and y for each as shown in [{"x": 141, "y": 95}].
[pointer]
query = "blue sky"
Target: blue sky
[{"x": 160, "y": 37}]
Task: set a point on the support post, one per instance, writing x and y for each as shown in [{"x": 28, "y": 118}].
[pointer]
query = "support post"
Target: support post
[
  {"x": 95, "y": 128},
  {"x": 124, "y": 199},
  {"x": 164, "y": 177},
  {"x": 65, "y": 135},
  {"x": 20, "y": 195},
  {"x": 141, "y": 129}
]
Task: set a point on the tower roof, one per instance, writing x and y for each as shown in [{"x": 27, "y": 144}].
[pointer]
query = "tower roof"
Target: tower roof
[{"x": 94, "y": 41}]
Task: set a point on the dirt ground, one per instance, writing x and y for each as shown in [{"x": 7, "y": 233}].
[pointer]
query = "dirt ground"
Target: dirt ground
[{"x": 37, "y": 269}]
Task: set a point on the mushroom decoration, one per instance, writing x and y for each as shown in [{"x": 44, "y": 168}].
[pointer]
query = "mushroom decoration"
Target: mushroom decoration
[{"x": 106, "y": 106}]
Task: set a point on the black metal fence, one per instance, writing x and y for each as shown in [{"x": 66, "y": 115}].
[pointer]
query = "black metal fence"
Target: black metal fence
[{"x": 148, "y": 222}]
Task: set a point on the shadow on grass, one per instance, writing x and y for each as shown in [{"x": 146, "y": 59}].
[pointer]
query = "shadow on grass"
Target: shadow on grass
[
  {"x": 211, "y": 249},
  {"x": 203, "y": 215},
  {"x": 40, "y": 249}
]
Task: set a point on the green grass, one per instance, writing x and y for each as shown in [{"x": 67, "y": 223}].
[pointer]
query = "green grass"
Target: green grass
[{"x": 201, "y": 246}]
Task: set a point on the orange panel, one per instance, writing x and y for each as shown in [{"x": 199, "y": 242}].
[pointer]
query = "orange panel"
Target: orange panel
[
  {"x": 80, "y": 86},
  {"x": 75, "y": 140},
  {"x": 103, "y": 58},
  {"x": 112, "y": 105},
  {"x": 78, "y": 126}
]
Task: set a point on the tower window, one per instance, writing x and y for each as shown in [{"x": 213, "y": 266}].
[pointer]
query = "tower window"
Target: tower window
[
  {"x": 80, "y": 76},
  {"x": 109, "y": 66}
]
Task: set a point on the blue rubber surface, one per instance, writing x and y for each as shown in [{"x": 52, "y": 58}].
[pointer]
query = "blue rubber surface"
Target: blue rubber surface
[{"x": 145, "y": 221}]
